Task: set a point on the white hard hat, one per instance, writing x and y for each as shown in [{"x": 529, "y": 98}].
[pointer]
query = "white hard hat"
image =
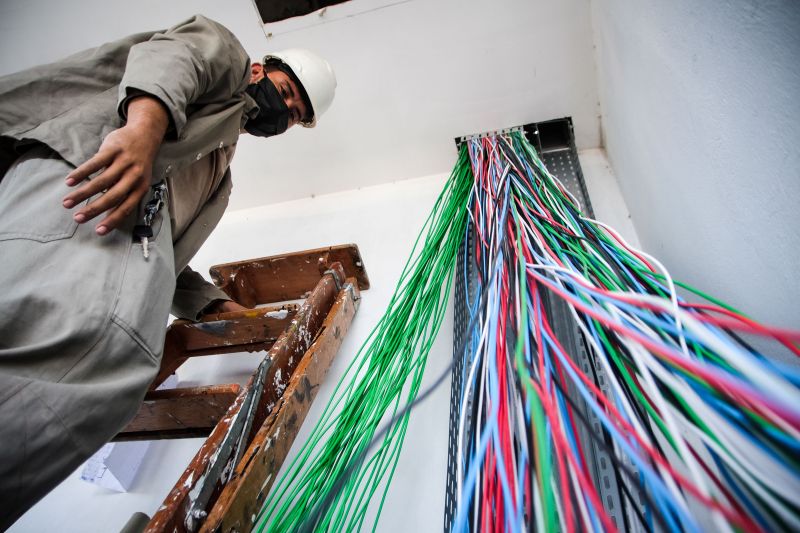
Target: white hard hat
[{"x": 314, "y": 73}]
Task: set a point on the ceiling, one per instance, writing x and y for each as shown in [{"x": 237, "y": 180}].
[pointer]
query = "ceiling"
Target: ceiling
[{"x": 412, "y": 75}]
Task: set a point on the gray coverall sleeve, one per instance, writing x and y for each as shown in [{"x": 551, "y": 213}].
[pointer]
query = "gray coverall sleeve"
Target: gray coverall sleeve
[
  {"x": 195, "y": 62},
  {"x": 193, "y": 294}
]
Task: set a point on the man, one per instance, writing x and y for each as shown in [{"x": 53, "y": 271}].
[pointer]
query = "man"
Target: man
[{"x": 114, "y": 169}]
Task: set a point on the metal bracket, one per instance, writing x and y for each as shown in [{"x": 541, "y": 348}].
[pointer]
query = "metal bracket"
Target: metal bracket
[
  {"x": 233, "y": 446},
  {"x": 335, "y": 276},
  {"x": 504, "y": 131}
]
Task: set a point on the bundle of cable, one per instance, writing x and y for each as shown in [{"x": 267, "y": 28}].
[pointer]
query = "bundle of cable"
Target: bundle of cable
[{"x": 701, "y": 428}]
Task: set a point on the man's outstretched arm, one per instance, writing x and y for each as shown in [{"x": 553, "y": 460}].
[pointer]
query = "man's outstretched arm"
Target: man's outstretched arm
[
  {"x": 195, "y": 61},
  {"x": 195, "y": 297}
]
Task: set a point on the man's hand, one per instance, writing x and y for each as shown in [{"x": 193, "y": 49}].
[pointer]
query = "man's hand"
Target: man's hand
[
  {"x": 229, "y": 306},
  {"x": 217, "y": 308},
  {"x": 126, "y": 160}
]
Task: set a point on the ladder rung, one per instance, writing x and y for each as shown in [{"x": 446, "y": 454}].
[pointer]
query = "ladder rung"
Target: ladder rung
[{"x": 180, "y": 413}]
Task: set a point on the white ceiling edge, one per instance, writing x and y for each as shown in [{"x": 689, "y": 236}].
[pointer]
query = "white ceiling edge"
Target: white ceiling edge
[{"x": 326, "y": 15}]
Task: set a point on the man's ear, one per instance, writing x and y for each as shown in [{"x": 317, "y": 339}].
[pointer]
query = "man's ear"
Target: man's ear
[{"x": 257, "y": 72}]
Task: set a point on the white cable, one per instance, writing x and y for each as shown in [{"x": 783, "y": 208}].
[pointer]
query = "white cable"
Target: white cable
[
  {"x": 640, "y": 355},
  {"x": 673, "y": 293}
]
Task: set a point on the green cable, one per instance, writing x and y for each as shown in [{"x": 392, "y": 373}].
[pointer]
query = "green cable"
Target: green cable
[
  {"x": 385, "y": 374},
  {"x": 544, "y": 463},
  {"x": 698, "y": 292}
]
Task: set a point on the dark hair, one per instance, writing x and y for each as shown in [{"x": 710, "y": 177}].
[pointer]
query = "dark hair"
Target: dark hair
[{"x": 286, "y": 69}]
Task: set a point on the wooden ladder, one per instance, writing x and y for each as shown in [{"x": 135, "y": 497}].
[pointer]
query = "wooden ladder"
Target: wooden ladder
[{"x": 250, "y": 429}]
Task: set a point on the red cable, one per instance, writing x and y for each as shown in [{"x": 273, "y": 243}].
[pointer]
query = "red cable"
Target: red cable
[
  {"x": 609, "y": 407},
  {"x": 504, "y": 390},
  {"x": 724, "y": 383},
  {"x": 779, "y": 334},
  {"x": 545, "y": 400},
  {"x": 621, "y": 242},
  {"x": 587, "y": 485}
]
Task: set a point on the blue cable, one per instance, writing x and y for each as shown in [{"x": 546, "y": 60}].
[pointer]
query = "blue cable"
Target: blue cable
[
  {"x": 737, "y": 491},
  {"x": 655, "y": 483}
]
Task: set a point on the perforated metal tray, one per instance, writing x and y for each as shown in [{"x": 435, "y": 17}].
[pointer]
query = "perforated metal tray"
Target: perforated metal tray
[{"x": 555, "y": 142}]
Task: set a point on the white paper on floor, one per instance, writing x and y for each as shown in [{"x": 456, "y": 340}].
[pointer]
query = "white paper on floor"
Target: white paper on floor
[{"x": 115, "y": 465}]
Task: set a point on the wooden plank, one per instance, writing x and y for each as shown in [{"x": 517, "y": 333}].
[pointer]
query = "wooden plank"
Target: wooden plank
[
  {"x": 286, "y": 277},
  {"x": 172, "y": 515},
  {"x": 239, "y": 331},
  {"x": 234, "y": 329},
  {"x": 242, "y": 497},
  {"x": 171, "y": 359},
  {"x": 186, "y": 412}
]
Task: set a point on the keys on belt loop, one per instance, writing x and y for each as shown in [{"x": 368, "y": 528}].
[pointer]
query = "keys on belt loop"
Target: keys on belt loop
[{"x": 144, "y": 231}]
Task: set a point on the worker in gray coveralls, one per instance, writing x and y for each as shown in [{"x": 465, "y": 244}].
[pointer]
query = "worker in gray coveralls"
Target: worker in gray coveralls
[{"x": 88, "y": 267}]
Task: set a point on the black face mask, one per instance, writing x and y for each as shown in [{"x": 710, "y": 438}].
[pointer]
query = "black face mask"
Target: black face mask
[{"x": 273, "y": 114}]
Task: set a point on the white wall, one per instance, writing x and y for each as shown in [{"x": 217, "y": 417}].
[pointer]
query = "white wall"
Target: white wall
[
  {"x": 701, "y": 120},
  {"x": 412, "y": 77}
]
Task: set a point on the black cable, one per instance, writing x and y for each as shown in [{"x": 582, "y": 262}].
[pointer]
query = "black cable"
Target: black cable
[
  {"x": 608, "y": 440},
  {"x": 640, "y": 410},
  {"x": 608, "y": 448},
  {"x": 611, "y": 454}
]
